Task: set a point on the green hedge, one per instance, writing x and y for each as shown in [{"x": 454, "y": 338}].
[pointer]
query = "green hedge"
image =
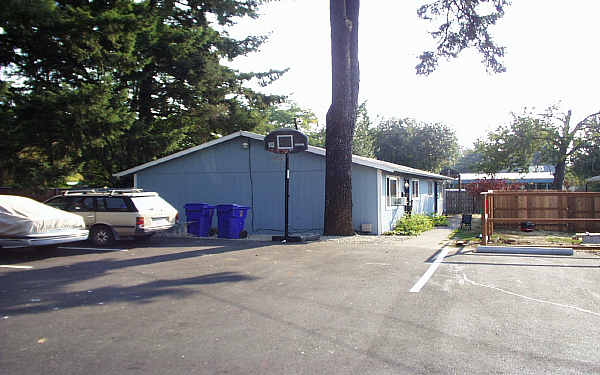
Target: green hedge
[
  {"x": 412, "y": 225},
  {"x": 439, "y": 220}
]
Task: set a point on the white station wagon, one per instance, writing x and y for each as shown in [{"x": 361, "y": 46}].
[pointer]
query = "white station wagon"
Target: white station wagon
[{"x": 112, "y": 214}]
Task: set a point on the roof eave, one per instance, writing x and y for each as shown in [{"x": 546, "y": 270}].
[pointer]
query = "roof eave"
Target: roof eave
[
  {"x": 377, "y": 164},
  {"x": 188, "y": 151}
]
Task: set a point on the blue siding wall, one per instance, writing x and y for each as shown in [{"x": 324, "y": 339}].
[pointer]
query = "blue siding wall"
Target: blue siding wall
[
  {"x": 217, "y": 175},
  {"x": 228, "y": 173},
  {"x": 364, "y": 197},
  {"x": 307, "y": 191}
]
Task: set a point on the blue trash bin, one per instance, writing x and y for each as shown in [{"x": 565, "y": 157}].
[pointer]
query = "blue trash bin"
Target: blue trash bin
[
  {"x": 231, "y": 219},
  {"x": 199, "y": 218}
]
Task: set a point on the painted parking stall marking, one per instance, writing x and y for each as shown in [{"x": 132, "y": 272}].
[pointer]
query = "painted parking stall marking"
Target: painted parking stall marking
[
  {"x": 16, "y": 267},
  {"x": 431, "y": 270},
  {"x": 90, "y": 248}
]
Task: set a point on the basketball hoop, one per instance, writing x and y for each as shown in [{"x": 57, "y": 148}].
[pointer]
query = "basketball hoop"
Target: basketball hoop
[{"x": 286, "y": 141}]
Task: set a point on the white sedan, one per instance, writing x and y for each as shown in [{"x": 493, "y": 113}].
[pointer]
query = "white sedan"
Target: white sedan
[{"x": 25, "y": 222}]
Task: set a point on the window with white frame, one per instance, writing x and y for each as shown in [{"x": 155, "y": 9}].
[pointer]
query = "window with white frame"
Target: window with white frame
[
  {"x": 415, "y": 188},
  {"x": 393, "y": 191}
]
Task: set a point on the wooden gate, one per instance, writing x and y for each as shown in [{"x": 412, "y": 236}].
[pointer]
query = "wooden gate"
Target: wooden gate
[{"x": 461, "y": 202}]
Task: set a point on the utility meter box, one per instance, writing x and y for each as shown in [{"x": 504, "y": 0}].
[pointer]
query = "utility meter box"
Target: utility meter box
[{"x": 284, "y": 141}]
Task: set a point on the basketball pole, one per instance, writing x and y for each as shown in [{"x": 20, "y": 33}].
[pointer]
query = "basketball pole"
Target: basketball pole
[
  {"x": 287, "y": 195},
  {"x": 286, "y": 234}
]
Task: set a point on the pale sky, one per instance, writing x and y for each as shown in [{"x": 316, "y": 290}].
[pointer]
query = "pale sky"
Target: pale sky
[{"x": 552, "y": 55}]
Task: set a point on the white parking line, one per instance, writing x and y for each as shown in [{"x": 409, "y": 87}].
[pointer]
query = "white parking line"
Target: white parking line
[
  {"x": 16, "y": 267},
  {"x": 90, "y": 248},
  {"x": 530, "y": 298},
  {"x": 427, "y": 275}
]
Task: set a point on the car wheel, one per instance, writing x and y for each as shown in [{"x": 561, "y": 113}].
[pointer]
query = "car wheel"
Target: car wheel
[{"x": 102, "y": 236}]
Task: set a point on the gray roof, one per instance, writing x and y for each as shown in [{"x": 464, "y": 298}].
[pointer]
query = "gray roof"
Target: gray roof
[{"x": 360, "y": 160}]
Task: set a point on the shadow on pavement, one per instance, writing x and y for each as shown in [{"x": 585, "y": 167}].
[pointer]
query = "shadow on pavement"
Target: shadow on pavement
[
  {"x": 53, "y": 285},
  {"x": 56, "y": 299},
  {"x": 12, "y": 256}
]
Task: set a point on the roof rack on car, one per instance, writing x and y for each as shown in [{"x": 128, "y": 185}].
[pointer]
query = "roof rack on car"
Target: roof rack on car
[
  {"x": 104, "y": 190},
  {"x": 122, "y": 191},
  {"x": 79, "y": 191}
]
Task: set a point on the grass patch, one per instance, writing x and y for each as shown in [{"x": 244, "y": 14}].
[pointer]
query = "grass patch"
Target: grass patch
[
  {"x": 464, "y": 235},
  {"x": 568, "y": 240}
]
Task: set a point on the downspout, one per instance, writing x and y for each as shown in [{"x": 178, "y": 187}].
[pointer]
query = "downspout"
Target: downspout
[
  {"x": 251, "y": 181},
  {"x": 379, "y": 193},
  {"x": 435, "y": 197}
]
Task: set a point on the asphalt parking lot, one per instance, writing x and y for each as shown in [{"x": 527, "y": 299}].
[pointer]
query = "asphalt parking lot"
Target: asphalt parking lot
[{"x": 360, "y": 305}]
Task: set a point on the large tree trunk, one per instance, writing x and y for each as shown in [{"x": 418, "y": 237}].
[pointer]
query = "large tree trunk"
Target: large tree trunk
[
  {"x": 341, "y": 117},
  {"x": 559, "y": 175}
]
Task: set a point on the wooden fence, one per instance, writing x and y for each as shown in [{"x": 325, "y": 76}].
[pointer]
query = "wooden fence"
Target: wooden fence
[
  {"x": 549, "y": 210},
  {"x": 461, "y": 202}
]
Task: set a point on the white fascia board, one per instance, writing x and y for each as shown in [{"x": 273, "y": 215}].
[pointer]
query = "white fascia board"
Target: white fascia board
[
  {"x": 185, "y": 152},
  {"x": 384, "y": 166},
  {"x": 368, "y": 162},
  {"x": 379, "y": 202}
]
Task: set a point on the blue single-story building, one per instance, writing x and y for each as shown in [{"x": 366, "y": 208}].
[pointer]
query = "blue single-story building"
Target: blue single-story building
[{"x": 237, "y": 169}]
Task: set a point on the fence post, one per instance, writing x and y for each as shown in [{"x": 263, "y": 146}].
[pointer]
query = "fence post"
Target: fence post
[
  {"x": 484, "y": 220},
  {"x": 491, "y": 209}
]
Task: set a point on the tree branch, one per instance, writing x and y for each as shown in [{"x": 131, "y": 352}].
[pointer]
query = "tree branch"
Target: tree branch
[{"x": 583, "y": 122}]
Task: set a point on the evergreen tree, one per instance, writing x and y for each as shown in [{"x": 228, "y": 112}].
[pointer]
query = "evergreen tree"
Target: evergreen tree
[
  {"x": 460, "y": 25},
  {"x": 100, "y": 86},
  {"x": 341, "y": 117},
  {"x": 364, "y": 136}
]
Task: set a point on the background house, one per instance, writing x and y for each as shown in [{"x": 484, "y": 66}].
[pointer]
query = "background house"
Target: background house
[
  {"x": 537, "y": 177},
  {"x": 237, "y": 169},
  {"x": 592, "y": 181}
]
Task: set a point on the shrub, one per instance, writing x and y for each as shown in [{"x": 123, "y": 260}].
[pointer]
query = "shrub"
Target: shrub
[
  {"x": 412, "y": 225},
  {"x": 439, "y": 220},
  {"x": 479, "y": 186}
]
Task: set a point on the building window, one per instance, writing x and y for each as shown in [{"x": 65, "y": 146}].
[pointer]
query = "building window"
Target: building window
[
  {"x": 430, "y": 188},
  {"x": 393, "y": 191},
  {"x": 415, "y": 188}
]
